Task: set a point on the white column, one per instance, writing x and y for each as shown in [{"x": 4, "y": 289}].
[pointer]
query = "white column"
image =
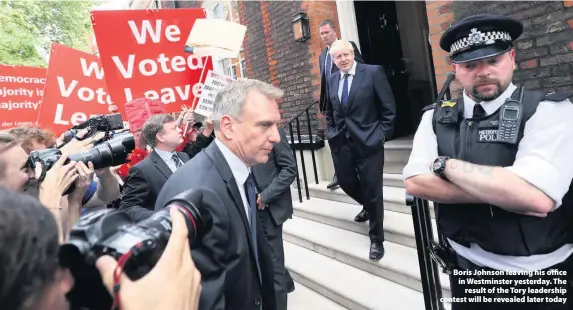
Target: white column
[{"x": 347, "y": 21}]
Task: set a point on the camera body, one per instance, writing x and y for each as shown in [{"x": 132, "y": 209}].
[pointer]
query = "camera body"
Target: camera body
[
  {"x": 106, "y": 153},
  {"x": 138, "y": 246}
]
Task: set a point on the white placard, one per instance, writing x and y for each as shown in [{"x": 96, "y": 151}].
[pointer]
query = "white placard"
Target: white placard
[
  {"x": 213, "y": 84},
  {"x": 216, "y": 37}
]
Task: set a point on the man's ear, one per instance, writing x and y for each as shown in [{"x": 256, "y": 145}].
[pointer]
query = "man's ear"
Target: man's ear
[
  {"x": 64, "y": 280},
  {"x": 226, "y": 126}
]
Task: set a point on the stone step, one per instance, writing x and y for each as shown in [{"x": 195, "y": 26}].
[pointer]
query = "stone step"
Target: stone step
[
  {"x": 399, "y": 265},
  {"x": 398, "y": 227},
  {"x": 304, "y": 298},
  {"x": 394, "y": 197},
  {"x": 393, "y": 179},
  {"x": 350, "y": 287}
]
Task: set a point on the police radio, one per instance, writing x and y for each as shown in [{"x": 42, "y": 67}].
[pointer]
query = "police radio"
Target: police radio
[{"x": 510, "y": 120}]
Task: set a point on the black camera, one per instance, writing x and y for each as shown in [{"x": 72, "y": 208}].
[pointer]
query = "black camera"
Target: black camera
[
  {"x": 102, "y": 123},
  {"x": 137, "y": 246},
  {"x": 105, "y": 154}
]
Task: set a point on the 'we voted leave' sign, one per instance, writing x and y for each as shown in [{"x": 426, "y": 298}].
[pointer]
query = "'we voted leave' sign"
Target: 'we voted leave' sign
[
  {"x": 142, "y": 52},
  {"x": 75, "y": 89}
]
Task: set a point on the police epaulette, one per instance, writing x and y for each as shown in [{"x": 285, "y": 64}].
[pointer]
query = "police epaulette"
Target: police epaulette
[
  {"x": 557, "y": 96},
  {"x": 429, "y": 107}
]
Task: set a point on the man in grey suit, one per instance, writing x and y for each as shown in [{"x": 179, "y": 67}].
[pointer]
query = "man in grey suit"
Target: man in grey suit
[
  {"x": 275, "y": 207},
  {"x": 233, "y": 256}
]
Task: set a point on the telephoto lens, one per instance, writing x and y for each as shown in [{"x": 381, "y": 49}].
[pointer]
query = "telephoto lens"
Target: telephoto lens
[{"x": 136, "y": 247}]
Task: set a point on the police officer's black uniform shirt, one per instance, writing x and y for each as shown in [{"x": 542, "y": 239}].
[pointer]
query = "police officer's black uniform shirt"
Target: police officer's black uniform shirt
[{"x": 544, "y": 159}]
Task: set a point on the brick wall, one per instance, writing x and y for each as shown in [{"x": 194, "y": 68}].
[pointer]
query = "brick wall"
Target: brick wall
[
  {"x": 272, "y": 55},
  {"x": 544, "y": 50}
]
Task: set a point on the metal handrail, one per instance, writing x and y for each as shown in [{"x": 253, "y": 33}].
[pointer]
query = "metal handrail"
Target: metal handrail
[{"x": 289, "y": 124}]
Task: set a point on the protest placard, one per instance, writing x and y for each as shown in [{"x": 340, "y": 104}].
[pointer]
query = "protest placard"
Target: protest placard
[
  {"x": 142, "y": 52},
  {"x": 75, "y": 89},
  {"x": 213, "y": 84},
  {"x": 21, "y": 90},
  {"x": 216, "y": 37}
]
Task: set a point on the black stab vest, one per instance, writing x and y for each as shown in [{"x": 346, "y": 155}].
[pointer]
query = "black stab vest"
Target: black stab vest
[{"x": 492, "y": 228}]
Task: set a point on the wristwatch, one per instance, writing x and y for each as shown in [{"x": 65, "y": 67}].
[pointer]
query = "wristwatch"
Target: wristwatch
[{"x": 439, "y": 166}]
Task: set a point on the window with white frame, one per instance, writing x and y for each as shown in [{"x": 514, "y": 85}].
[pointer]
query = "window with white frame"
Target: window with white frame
[
  {"x": 243, "y": 69},
  {"x": 218, "y": 11},
  {"x": 156, "y": 4}
]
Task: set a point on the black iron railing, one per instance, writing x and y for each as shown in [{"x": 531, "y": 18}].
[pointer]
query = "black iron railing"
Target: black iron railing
[
  {"x": 312, "y": 143},
  {"x": 429, "y": 272}
]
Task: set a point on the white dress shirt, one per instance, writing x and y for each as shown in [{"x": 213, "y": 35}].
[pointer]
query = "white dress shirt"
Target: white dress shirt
[
  {"x": 168, "y": 158},
  {"x": 240, "y": 172},
  {"x": 543, "y": 159},
  {"x": 351, "y": 73}
]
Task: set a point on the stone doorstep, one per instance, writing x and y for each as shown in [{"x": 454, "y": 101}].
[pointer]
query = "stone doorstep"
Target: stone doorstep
[
  {"x": 350, "y": 287},
  {"x": 304, "y": 298},
  {"x": 399, "y": 265},
  {"x": 398, "y": 227},
  {"x": 394, "y": 197}
]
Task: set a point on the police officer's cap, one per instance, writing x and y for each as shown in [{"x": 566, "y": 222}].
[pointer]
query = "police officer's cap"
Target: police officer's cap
[{"x": 480, "y": 36}]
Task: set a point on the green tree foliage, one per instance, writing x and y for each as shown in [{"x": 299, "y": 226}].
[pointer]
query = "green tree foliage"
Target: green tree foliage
[{"x": 28, "y": 28}]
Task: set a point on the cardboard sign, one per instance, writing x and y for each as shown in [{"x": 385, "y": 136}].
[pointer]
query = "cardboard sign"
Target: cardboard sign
[
  {"x": 75, "y": 89},
  {"x": 142, "y": 52},
  {"x": 21, "y": 90},
  {"x": 213, "y": 84},
  {"x": 216, "y": 37}
]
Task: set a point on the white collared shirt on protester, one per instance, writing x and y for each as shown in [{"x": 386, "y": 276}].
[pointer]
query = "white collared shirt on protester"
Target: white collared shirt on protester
[
  {"x": 168, "y": 158},
  {"x": 543, "y": 159}
]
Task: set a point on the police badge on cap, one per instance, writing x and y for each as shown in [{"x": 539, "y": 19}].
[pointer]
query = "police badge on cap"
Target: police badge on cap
[{"x": 480, "y": 36}]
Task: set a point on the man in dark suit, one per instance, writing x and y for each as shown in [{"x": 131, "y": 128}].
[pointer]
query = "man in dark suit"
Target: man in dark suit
[
  {"x": 328, "y": 35},
  {"x": 234, "y": 257},
  {"x": 147, "y": 177},
  {"x": 360, "y": 114},
  {"x": 275, "y": 207}
]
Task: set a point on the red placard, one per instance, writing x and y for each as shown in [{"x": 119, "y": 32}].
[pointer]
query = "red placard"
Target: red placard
[
  {"x": 75, "y": 89},
  {"x": 21, "y": 90},
  {"x": 142, "y": 52}
]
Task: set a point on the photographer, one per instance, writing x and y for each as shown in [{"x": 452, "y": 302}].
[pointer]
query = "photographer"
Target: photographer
[
  {"x": 98, "y": 193},
  {"x": 32, "y": 278}
]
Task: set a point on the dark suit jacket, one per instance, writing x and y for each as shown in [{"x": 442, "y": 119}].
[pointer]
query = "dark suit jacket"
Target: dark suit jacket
[
  {"x": 143, "y": 184},
  {"x": 274, "y": 179},
  {"x": 226, "y": 257},
  {"x": 368, "y": 117},
  {"x": 324, "y": 77}
]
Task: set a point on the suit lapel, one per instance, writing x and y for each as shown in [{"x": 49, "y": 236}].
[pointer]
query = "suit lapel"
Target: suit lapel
[
  {"x": 356, "y": 80},
  {"x": 160, "y": 164},
  {"x": 333, "y": 82},
  {"x": 321, "y": 60},
  {"x": 225, "y": 171},
  {"x": 184, "y": 157}
]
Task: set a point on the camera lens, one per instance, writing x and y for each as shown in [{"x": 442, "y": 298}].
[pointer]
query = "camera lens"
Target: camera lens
[
  {"x": 161, "y": 220},
  {"x": 108, "y": 154}
]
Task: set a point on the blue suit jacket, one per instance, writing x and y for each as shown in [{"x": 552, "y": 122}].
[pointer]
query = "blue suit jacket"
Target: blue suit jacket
[{"x": 368, "y": 117}]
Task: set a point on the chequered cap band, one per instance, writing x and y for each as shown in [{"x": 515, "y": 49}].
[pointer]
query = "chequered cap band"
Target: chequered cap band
[{"x": 479, "y": 38}]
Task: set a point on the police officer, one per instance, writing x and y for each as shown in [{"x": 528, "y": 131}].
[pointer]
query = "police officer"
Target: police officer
[{"x": 498, "y": 164}]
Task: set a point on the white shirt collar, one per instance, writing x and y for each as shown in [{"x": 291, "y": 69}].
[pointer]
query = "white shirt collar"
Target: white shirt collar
[
  {"x": 166, "y": 156},
  {"x": 238, "y": 168},
  {"x": 488, "y": 106},
  {"x": 352, "y": 71}
]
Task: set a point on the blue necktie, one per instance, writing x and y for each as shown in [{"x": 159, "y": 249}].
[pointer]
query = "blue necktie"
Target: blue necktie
[
  {"x": 251, "y": 191},
  {"x": 344, "y": 97},
  {"x": 328, "y": 64}
]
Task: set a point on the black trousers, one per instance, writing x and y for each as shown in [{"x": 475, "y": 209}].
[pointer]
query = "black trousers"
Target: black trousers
[
  {"x": 274, "y": 237},
  {"x": 527, "y": 291},
  {"x": 360, "y": 177}
]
